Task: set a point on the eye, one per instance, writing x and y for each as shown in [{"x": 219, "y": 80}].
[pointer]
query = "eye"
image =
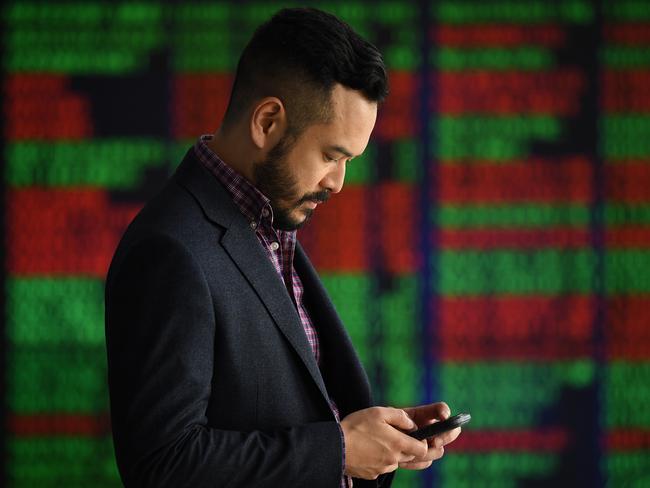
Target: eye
[{"x": 329, "y": 159}]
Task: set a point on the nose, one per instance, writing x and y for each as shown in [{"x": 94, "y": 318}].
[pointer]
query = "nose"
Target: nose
[{"x": 333, "y": 180}]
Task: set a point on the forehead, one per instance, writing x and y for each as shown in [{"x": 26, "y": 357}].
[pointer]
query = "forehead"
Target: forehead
[{"x": 352, "y": 120}]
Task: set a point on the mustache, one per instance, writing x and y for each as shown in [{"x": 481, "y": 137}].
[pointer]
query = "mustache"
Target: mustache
[{"x": 319, "y": 197}]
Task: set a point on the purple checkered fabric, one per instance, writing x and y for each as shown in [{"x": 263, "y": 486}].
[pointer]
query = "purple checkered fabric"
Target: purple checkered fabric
[{"x": 279, "y": 245}]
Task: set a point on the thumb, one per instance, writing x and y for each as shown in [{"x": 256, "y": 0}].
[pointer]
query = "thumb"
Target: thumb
[{"x": 399, "y": 418}]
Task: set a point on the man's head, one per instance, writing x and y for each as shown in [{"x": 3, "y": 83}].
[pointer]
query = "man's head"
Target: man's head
[{"x": 306, "y": 92}]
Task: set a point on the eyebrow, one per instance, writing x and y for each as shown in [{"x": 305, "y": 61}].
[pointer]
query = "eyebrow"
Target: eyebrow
[{"x": 342, "y": 150}]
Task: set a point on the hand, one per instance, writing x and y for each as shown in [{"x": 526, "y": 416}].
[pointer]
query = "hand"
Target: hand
[
  {"x": 375, "y": 443},
  {"x": 426, "y": 415}
]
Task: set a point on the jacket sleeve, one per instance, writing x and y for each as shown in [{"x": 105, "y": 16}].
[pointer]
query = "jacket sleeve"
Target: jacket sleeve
[{"x": 160, "y": 333}]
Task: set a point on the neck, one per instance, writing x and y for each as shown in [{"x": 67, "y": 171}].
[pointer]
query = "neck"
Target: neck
[{"x": 232, "y": 151}]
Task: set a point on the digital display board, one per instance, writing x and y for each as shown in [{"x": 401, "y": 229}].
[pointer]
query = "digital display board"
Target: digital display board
[{"x": 491, "y": 248}]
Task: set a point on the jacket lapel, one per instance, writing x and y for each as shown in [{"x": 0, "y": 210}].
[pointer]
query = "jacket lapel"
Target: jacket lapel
[
  {"x": 243, "y": 247},
  {"x": 345, "y": 378}
]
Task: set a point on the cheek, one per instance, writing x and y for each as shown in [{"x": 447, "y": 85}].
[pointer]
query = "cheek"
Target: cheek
[{"x": 308, "y": 174}]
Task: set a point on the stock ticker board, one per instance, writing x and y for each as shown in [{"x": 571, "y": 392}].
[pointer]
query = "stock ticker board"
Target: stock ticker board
[{"x": 491, "y": 248}]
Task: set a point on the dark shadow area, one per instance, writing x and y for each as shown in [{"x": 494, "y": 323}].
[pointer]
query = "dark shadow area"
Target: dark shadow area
[
  {"x": 576, "y": 413},
  {"x": 136, "y": 105},
  {"x": 150, "y": 184}
]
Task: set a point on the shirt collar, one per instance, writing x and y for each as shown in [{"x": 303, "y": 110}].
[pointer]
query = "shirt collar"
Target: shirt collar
[{"x": 250, "y": 201}]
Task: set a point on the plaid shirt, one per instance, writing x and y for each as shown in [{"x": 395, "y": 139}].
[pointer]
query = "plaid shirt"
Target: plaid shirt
[{"x": 279, "y": 245}]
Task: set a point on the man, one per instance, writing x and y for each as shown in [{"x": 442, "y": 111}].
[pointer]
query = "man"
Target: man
[{"x": 227, "y": 363}]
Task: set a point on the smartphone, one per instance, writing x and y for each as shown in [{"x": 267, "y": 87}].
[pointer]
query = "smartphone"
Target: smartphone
[{"x": 438, "y": 428}]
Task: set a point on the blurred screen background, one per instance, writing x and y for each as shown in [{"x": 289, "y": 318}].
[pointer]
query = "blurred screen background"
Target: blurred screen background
[{"x": 490, "y": 249}]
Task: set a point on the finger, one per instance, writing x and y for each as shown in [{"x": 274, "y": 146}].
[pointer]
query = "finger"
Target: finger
[
  {"x": 424, "y": 414},
  {"x": 398, "y": 418},
  {"x": 405, "y": 458},
  {"x": 433, "y": 454},
  {"x": 416, "y": 465},
  {"x": 409, "y": 446},
  {"x": 447, "y": 437},
  {"x": 440, "y": 411},
  {"x": 437, "y": 453},
  {"x": 404, "y": 443}
]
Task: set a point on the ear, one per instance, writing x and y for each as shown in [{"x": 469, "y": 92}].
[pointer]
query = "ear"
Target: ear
[{"x": 268, "y": 123}]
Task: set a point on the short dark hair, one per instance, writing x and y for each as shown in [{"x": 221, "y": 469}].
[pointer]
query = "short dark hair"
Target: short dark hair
[{"x": 298, "y": 56}]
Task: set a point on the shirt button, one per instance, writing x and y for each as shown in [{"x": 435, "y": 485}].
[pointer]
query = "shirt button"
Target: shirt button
[
  {"x": 253, "y": 225},
  {"x": 265, "y": 212},
  {"x": 274, "y": 246}
]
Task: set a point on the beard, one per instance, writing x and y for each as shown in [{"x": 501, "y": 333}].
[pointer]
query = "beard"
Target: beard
[{"x": 274, "y": 179}]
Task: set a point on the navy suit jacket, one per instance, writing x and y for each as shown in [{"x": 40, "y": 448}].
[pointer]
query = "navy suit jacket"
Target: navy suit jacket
[{"x": 212, "y": 380}]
